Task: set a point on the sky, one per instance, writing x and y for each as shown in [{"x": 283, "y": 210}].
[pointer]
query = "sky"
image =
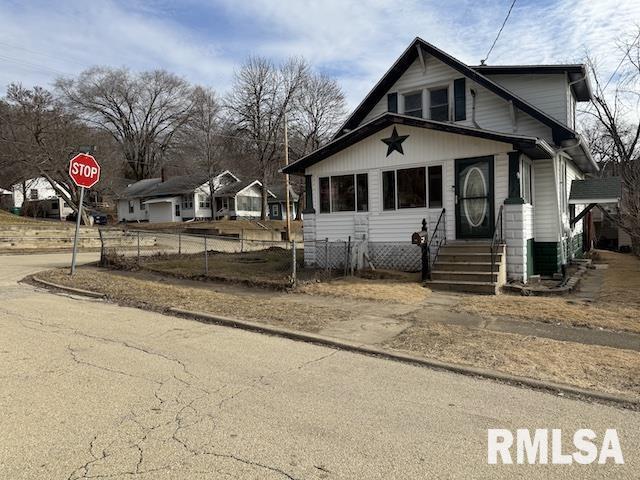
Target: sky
[{"x": 355, "y": 41}]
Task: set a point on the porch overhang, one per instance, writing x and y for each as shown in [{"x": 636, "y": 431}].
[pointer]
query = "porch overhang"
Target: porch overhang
[
  {"x": 161, "y": 200},
  {"x": 534, "y": 147},
  {"x": 596, "y": 191}
]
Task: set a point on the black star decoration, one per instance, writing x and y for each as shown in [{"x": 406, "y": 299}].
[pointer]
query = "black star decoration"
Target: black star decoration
[{"x": 394, "y": 142}]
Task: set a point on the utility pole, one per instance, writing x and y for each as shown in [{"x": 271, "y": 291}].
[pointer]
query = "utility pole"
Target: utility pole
[{"x": 286, "y": 178}]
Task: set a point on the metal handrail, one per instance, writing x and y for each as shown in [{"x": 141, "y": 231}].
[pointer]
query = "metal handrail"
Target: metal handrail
[
  {"x": 497, "y": 239},
  {"x": 442, "y": 239}
]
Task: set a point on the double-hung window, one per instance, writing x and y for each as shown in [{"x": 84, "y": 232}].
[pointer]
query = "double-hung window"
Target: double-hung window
[
  {"x": 526, "y": 182},
  {"x": 413, "y": 104},
  {"x": 407, "y": 188},
  {"x": 344, "y": 193},
  {"x": 439, "y": 104}
]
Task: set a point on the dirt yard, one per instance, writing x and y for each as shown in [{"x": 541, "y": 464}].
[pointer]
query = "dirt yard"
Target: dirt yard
[
  {"x": 7, "y": 218},
  {"x": 617, "y": 307}
]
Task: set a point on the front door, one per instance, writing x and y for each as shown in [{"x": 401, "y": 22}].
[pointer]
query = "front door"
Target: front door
[{"x": 474, "y": 197}]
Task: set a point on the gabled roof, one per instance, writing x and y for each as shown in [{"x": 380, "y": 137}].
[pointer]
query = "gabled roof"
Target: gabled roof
[
  {"x": 577, "y": 73},
  {"x": 532, "y": 146},
  {"x": 235, "y": 188},
  {"x": 596, "y": 190},
  {"x": 155, "y": 187},
  {"x": 280, "y": 194},
  {"x": 560, "y": 131}
]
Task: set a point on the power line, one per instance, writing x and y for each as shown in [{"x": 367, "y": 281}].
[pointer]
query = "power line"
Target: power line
[
  {"x": 499, "y": 32},
  {"x": 621, "y": 61}
]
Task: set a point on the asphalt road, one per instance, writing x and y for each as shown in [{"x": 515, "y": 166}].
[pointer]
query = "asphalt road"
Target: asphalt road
[{"x": 93, "y": 390}]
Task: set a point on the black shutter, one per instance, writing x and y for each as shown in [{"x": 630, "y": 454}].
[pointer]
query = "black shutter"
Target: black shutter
[
  {"x": 460, "y": 102},
  {"x": 392, "y": 102}
]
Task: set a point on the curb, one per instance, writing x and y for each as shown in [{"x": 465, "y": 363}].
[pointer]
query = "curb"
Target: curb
[
  {"x": 406, "y": 358},
  {"x": 345, "y": 345},
  {"x": 79, "y": 291}
]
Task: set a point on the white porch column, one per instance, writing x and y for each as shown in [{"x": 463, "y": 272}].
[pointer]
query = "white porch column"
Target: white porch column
[
  {"x": 309, "y": 238},
  {"x": 518, "y": 230}
]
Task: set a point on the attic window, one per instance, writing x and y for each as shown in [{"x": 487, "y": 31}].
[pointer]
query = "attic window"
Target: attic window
[
  {"x": 413, "y": 104},
  {"x": 439, "y": 104}
]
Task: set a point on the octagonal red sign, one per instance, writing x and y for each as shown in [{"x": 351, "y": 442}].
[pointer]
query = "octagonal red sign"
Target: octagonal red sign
[{"x": 84, "y": 170}]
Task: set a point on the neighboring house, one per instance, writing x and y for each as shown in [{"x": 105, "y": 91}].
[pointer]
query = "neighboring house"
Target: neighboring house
[
  {"x": 601, "y": 223},
  {"x": 278, "y": 203},
  {"x": 240, "y": 200},
  {"x": 176, "y": 199},
  {"x": 6, "y": 199},
  {"x": 471, "y": 150},
  {"x": 36, "y": 197}
]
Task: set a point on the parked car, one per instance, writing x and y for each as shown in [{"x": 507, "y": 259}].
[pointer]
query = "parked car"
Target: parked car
[{"x": 99, "y": 218}]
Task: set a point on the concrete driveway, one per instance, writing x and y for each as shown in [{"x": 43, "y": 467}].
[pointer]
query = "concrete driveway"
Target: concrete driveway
[{"x": 93, "y": 390}]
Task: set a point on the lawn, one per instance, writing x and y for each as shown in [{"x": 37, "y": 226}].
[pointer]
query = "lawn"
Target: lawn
[
  {"x": 616, "y": 308},
  {"x": 7, "y": 218},
  {"x": 269, "y": 267}
]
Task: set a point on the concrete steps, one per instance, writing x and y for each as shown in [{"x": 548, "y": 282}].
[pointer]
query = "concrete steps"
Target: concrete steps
[{"x": 467, "y": 267}]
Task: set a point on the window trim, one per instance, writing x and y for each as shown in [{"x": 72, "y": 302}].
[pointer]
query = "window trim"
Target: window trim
[
  {"x": 526, "y": 163},
  {"x": 426, "y": 177},
  {"x": 354, "y": 173}
]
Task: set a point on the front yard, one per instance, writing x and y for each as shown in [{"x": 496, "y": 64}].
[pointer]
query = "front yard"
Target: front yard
[{"x": 449, "y": 328}]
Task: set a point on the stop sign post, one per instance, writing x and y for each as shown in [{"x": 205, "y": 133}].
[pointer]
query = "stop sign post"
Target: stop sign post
[{"x": 85, "y": 173}]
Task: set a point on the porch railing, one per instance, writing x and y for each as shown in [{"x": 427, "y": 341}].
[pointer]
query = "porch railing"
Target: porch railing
[
  {"x": 497, "y": 240},
  {"x": 438, "y": 238}
]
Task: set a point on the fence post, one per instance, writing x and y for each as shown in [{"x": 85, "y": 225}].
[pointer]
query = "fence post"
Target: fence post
[
  {"x": 326, "y": 253},
  {"x": 101, "y": 247},
  {"x": 294, "y": 272},
  {"x": 242, "y": 240},
  {"x": 206, "y": 257},
  {"x": 179, "y": 243},
  {"x": 138, "y": 248},
  {"x": 346, "y": 256}
]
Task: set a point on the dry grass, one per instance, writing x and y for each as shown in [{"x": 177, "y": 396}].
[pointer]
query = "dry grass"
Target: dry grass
[
  {"x": 7, "y": 218},
  {"x": 365, "y": 289},
  {"x": 129, "y": 290},
  {"x": 592, "y": 367},
  {"x": 616, "y": 308},
  {"x": 271, "y": 266}
]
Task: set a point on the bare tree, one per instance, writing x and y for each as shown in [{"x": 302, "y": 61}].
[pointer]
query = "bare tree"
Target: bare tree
[
  {"x": 261, "y": 96},
  {"x": 39, "y": 138},
  {"x": 142, "y": 111},
  {"x": 616, "y": 132}
]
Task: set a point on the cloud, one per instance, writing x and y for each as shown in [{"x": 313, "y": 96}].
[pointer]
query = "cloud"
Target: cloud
[{"x": 354, "y": 40}]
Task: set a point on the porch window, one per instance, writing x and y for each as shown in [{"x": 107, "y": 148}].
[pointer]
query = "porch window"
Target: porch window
[
  {"x": 130, "y": 207},
  {"x": 413, "y": 104},
  {"x": 203, "y": 201},
  {"x": 435, "y": 186},
  {"x": 412, "y": 188},
  {"x": 187, "y": 201},
  {"x": 325, "y": 202},
  {"x": 177, "y": 209},
  {"x": 439, "y": 104},
  {"x": 143, "y": 207},
  {"x": 275, "y": 210},
  {"x": 33, "y": 194},
  {"x": 344, "y": 193},
  {"x": 389, "y": 190}
]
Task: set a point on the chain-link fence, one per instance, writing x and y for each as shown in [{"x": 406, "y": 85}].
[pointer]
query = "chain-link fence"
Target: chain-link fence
[
  {"x": 327, "y": 259},
  {"x": 259, "y": 262}
]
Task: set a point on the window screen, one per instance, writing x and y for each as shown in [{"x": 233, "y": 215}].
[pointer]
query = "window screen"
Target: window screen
[
  {"x": 413, "y": 104},
  {"x": 439, "y": 104},
  {"x": 343, "y": 194},
  {"x": 389, "y": 190},
  {"x": 435, "y": 186},
  {"x": 325, "y": 203},
  {"x": 362, "y": 181}
]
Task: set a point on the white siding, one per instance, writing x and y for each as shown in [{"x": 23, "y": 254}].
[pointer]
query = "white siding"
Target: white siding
[
  {"x": 423, "y": 147},
  {"x": 545, "y": 202},
  {"x": 547, "y": 92},
  {"x": 492, "y": 111}
]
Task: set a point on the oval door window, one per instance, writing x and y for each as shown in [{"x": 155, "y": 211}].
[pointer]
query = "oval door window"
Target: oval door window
[{"x": 475, "y": 193}]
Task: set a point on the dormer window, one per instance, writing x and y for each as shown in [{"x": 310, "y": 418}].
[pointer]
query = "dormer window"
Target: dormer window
[
  {"x": 413, "y": 104},
  {"x": 439, "y": 104}
]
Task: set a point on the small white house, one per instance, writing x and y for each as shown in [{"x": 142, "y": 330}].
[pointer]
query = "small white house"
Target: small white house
[
  {"x": 176, "y": 199},
  {"x": 278, "y": 203},
  {"x": 37, "y": 197},
  {"x": 485, "y": 154},
  {"x": 240, "y": 200}
]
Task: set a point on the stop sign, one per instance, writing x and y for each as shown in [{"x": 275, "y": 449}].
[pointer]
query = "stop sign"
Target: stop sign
[{"x": 84, "y": 170}]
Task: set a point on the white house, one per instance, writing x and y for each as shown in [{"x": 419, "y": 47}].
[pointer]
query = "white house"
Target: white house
[
  {"x": 240, "y": 200},
  {"x": 37, "y": 197},
  {"x": 174, "y": 200},
  {"x": 485, "y": 154},
  {"x": 278, "y": 203}
]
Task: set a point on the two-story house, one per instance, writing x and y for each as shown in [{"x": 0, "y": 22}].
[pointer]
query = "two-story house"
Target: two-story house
[{"x": 486, "y": 154}]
